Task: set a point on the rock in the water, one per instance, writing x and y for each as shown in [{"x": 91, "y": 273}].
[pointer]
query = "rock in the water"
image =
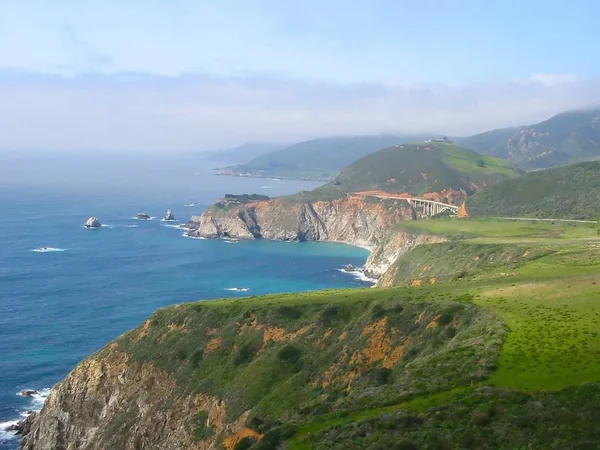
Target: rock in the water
[
  {"x": 93, "y": 222},
  {"x": 28, "y": 392},
  {"x": 350, "y": 268},
  {"x": 169, "y": 215},
  {"x": 14, "y": 427},
  {"x": 142, "y": 216}
]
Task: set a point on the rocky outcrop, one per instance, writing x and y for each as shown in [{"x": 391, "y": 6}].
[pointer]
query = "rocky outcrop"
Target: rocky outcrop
[
  {"x": 93, "y": 222},
  {"x": 354, "y": 220},
  {"x": 142, "y": 216},
  {"x": 108, "y": 401},
  {"x": 393, "y": 247},
  {"x": 169, "y": 215}
]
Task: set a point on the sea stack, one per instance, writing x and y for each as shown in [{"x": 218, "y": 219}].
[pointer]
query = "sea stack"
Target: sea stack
[
  {"x": 169, "y": 215},
  {"x": 93, "y": 222},
  {"x": 142, "y": 216}
]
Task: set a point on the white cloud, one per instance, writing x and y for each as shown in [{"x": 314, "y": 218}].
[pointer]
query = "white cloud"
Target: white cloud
[
  {"x": 554, "y": 79},
  {"x": 146, "y": 112}
]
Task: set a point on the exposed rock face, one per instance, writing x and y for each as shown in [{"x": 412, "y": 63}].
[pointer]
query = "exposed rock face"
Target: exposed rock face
[
  {"x": 142, "y": 216},
  {"x": 396, "y": 245},
  {"x": 353, "y": 220},
  {"x": 169, "y": 215},
  {"x": 108, "y": 401},
  {"x": 93, "y": 222}
]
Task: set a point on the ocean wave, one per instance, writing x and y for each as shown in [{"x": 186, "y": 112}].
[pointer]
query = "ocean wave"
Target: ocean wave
[
  {"x": 48, "y": 250},
  {"x": 232, "y": 241},
  {"x": 237, "y": 289},
  {"x": 171, "y": 225},
  {"x": 185, "y": 235},
  {"x": 359, "y": 275},
  {"x": 266, "y": 187},
  {"x": 6, "y": 435},
  {"x": 131, "y": 226},
  {"x": 106, "y": 226},
  {"x": 36, "y": 403},
  {"x": 168, "y": 220},
  {"x": 137, "y": 218}
]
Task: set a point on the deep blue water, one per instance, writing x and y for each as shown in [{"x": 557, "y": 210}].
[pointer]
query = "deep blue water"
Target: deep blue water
[{"x": 57, "y": 307}]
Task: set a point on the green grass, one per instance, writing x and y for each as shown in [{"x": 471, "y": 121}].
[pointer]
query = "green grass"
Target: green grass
[
  {"x": 570, "y": 192},
  {"x": 554, "y": 336},
  {"x": 503, "y": 231},
  {"x": 512, "y": 319},
  {"x": 418, "y": 169}
]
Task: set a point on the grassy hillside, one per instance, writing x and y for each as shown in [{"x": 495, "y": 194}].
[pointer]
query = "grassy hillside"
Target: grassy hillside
[
  {"x": 570, "y": 192},
  {"x": 258, "y": 354},
  {"x": 418, "y": 169},
  {"x": 494, "y": 330},
  {"x": 319, "y": 158},
  {"x": 563, "y": 139}
]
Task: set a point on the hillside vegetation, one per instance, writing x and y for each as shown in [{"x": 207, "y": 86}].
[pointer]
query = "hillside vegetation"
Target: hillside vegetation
[
  {"x": 563, "y": 139},
  {"x": 318, "y": 158},
  {"x": 570, "y": 192},
  {"x": 488, "y": 340},
  {"x": 418, "y": 169}
]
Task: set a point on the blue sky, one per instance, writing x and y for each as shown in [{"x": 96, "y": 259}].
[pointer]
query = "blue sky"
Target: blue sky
[{"x": 161, "y": 75}]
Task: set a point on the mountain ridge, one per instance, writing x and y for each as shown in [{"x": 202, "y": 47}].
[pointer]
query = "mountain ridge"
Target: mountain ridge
[{"x": 565, "y": 138}]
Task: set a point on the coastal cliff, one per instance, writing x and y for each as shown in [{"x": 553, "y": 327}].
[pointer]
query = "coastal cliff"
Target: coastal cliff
[
  {"x": 362, "y": 221},
  {"x": 209, "y": 375}
]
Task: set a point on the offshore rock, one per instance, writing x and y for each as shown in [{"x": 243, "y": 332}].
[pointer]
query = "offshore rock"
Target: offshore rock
[
  {"x": 93, "y": 222},
  {"x": 169, "y": 215},
  {"x": 142, "y": 216}
]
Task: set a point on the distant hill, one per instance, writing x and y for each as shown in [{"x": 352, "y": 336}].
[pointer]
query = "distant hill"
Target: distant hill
[
  {"x": 571, "y": 192},
  {"x": 319, "y": 158},
  {"x": 242, "y": 153},
  {"x": 418, "y": 169},
  {"x": 563, "y": 139}
]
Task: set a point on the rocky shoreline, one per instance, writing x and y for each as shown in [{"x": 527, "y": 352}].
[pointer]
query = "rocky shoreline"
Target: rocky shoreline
[{"x": 349, "y": 220}]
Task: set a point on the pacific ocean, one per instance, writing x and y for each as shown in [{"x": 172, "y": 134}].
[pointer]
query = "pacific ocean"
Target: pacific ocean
[{"x": 66, "y": 291}]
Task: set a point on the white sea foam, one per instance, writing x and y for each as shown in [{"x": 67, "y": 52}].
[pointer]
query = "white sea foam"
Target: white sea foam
[
  {"x": 168, "y": 220},
  {"x": 106, "y": 226},
  {"x": 237, "y": 289},
  {"x": 48, "y": 250},
  {"x": 185, "y": 235},
  {"x": 359, "y": 275},
  {"x": 266, "y": 187},
  {"x": 37, "y": 402},
  {"x": 172, "y": 225},
  {"x": 131, "y": 226},
  {"x": 8, "y": 435},
  {"x": 39, "y": 399}
]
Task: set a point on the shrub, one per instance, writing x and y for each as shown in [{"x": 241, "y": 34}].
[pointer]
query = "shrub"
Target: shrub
[
  {"x": 202, "y": 430},
  {"x": 244, "y": 354},
  {"x": 245, "y": 443},
  {"x": 289, "y": 354}
]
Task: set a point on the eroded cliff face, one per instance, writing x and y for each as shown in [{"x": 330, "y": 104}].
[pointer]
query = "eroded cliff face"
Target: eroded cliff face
[
  {"x": 207, "y": 375},
  {"x": 109, "y": 402},
  {"x": 365, "y": 222},
  {"x": 396, "y": 244}
]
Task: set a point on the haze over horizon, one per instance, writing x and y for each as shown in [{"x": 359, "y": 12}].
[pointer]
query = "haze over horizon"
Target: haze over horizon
[{"x": 197, "y": 75}]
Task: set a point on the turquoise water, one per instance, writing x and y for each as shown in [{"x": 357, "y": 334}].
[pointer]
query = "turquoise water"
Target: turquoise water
[{"x": 59, "y": 305}]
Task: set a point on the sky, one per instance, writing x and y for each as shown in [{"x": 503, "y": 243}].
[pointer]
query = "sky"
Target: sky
[{"x": 157, "y": 75}]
